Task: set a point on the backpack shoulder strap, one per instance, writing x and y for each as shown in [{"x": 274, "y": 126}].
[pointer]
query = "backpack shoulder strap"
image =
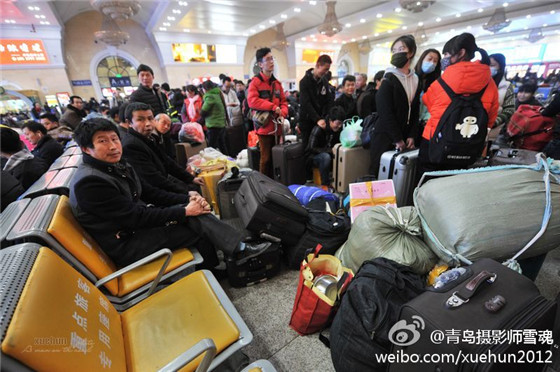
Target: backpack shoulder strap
[{"x": 447, "y": 88}]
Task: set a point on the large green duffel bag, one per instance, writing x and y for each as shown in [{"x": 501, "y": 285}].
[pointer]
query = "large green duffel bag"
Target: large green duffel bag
[
  {"x": 392, "y": 233},
  {"x": 494, "y": 212}
]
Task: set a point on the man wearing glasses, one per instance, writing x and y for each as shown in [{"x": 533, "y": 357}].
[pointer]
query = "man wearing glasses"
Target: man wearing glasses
[{"x": 265, "y": 94}]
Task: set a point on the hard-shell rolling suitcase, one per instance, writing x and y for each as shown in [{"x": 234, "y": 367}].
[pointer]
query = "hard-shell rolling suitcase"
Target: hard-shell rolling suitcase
[
  {"x": 506, "y": 156},
  {"x": 254, "y": 155},
  {"x": 288, "y": 163},
  {"x": 488, "y": 318},
  {"x": 349, "y": 164},
  {"x": 266, "y": 206},
  {"x": 246, "y": 269},
  {"x": 401, "y": 168},
  {"x": 235, "y": 140},
  {"x": 227, "y": 188}
]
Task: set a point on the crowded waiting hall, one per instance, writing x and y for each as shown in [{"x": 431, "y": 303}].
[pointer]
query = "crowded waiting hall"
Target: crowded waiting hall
[{"x": 280, "y": 185}]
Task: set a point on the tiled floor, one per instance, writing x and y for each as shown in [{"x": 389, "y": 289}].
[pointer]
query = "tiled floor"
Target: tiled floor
[{"x": 267, "y": 307}]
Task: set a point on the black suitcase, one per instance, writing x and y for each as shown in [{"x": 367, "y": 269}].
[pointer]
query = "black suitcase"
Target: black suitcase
[
  {"x": 266, "y": 206},
  {"x": 288, "y": 162},
  {"x": 469, "y": 319},
  {"x": 235, "y": 140},
  {"x": 246, "y": 269},
  {"x": 254, "y": 155},
  {"x": 227, "y": 188}
]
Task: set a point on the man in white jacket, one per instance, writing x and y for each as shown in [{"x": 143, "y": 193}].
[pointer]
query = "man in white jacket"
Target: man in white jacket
[{"x": 232, "y": 102}]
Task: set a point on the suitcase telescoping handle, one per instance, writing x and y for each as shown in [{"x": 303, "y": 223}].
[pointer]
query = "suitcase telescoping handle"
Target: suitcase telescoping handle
[{"x": 464, "y": 294}]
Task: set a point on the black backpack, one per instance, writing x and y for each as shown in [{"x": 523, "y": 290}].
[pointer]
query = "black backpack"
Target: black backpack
[
  {"x": 369, "y": 308},
  {"x": 367, "y": 129},
  {"x": 329, "y": 230},
  {"x": 460, "y": 135}
]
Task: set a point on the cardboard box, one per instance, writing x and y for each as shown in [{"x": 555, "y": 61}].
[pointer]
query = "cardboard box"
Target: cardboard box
[{"x": 365, "y": 195}]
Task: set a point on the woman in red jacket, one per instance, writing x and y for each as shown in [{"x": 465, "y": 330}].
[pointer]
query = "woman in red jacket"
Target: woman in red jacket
[
  {"x": 265, "y": 93},
  {"x": 462, "y": 76}
]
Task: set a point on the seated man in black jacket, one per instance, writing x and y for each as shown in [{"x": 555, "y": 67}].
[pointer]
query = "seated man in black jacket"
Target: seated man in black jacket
[
  {"x": 46, "y": 147},
  {"x": 18, "y": 160},
  {"x": 148, "y": 159},
  {"x": 347, "y": 100},
  {"x": 113, "y": 204},
  {"x": 321, "y": 142}
]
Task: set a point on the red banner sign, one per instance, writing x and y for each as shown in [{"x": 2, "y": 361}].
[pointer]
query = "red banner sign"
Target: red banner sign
[{"x": 22, "y": 52}]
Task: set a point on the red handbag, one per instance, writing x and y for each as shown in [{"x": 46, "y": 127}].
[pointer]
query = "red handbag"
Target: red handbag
[
  {"x": 313, "y": 308},
  {"x": 530, "y": 130}
]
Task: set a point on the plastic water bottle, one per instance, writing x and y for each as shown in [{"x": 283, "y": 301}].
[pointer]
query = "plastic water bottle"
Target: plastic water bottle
[{"x": 449, "y": 276}]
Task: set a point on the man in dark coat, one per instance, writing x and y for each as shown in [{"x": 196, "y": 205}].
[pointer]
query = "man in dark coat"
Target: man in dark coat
[
  {"x": 315, "y": 97},
  {"x": 150, "y": 162},
  {"x": 347, "y": 100},
  {"x": 74, "y": 113},
  {"x": 17, "y": 160},
  {"x": 112, "y": 203},
  {"x": 147, "y": 93},
  {"x": 46, "y": 147}
]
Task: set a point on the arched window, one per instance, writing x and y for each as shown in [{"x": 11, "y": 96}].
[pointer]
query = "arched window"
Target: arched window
[{"x": 116, "y": 72}]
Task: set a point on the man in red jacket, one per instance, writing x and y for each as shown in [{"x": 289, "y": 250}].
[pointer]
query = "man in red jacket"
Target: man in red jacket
[{"x": 265, "y": 93}]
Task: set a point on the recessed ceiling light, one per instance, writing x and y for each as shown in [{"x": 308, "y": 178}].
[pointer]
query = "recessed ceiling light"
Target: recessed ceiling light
[
  {"x": 283, "y": 16},
  {"x": 528, "y": 16},
  {"x": 183, "y": 3},
  {"x": 245, "y": 34},
  {"x": 253, "y": 30},
  {"x": 353, "y": 39},
  {"x": 452, "y": 30},
  {"x": 552, "y": 11},
  {"x": 348, "y": 25},
  {"x": 297, "y": 10},
  {"x": 418, "y": 3},
  {"x": 458, "y": 15},
  {"x": 364, "y": 37},
  {"x": 544, "y": 25},
  {"x": 186, "y": 30},
  {"x": 271, "y": 21},
  {"x": 303, "y": 39},
  {"x": 398, "y": 10},
  {"x": 31, "y": 7},
  {"x": 376, "y": 34},
  {"x": 404, "y": 27},
  {"x": 325, "y": 40},
  {"x": 37, "y": 16},
  {"x": 209, "y": 32},
  {"x": 170, "y": 18},
  {"x": 390, "y": 31},
  {"x": 344, "y": 42},
  {"x": 379, "y": 15},
  {"x": 423, "y": 36},
  {"x": 377, "y": 45},
  {"x": 362, "y": 20},
  {"x": 420, "y": 24},
  {"x": 336, "y": 41},
  {"x": 525, "y": 28},
  {"x": 162, "y": 29},
  {"x": 176, "y": 11},
  {"x": 313, "y": 2},
  {"x": 438, "y": 19},
  {"x": 166, "y": 24},
  {"x": 261, "y": 27},
  {"x": 505, "y": 4},
  {"x": 469, "y": 27},
  {"x": 480, "y": 10},
  {"x": 437, "y": 33}
]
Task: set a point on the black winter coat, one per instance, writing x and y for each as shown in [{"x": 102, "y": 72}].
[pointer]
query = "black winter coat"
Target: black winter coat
[
  {"x": 392, "y": 108},
  {"x": 28, "y": 171},
  {"x": 154, "y": 98},
  {"x": 348, "y": 104},
  {"x": 315, "y": 99},
  {"x": 110, "y": 202},
  {"x": 11, "y": 189},
  {"x": 154, "y": 166},
  {"x": 322, "y": 140},
  {"x": 366, "y": 102},
  {"x": 48, "y": 149}
]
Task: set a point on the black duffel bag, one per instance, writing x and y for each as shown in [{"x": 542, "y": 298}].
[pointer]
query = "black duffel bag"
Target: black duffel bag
[{"x": 325, "y": 228}]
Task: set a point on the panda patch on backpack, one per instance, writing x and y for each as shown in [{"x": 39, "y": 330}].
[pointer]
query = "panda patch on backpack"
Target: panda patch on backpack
[{"x": 468, "y": 127}]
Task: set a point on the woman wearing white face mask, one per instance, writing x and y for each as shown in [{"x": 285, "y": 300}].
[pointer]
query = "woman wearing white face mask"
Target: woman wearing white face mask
[
  {"x": 428, "y": 69},
  {"x": 505, "y": 92}
]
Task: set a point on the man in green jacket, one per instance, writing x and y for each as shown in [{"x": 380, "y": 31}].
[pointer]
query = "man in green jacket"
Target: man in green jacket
[{"x": 214, "y": 113}]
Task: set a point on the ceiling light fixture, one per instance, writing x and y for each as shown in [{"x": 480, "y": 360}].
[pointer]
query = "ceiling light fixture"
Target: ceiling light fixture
[
  {"x": 111, "y": 34},
  {"x": 398, "y": 10},
  {"x": 297, "y": 10},
  {"x": 376, "y": 34},
  {"x": 280, "y": 43},
  {"x": 497, "y": 22},
  {"x": 421, "y": 34},
  {"x": 404, "y": 27},
  {"x": 170, "y": 18},
  {"x": 415, "y": 6},
  {"x": 505, "y": 5},
  {"x": 379, "y": 15},
  {"x": 186, "y": 30},
  {"x": 118, "y": 10},
  {"x": 438, "y": 19},
  {"x": 362, "y": 20},
  {"x": 183, "y": 3},
  {"x": 420, "y": 24},
  {"x": 364, "y": 47},
  {"x": 166, "y": 24},
  {"x": 313, "y": 2},
  {"x": 480, "y": 10},
  {"x": 271, "y": 21},
  {"x": 162, "y": 29},
  {"x": 176, "y": 11},
  {"x": 330, "y": 25},
  {"x": 458, "y": 15},
  {"x": 261, "y": 27},
  {"x": 283, "y": 16},
  {"x": 348, "y": 25}
]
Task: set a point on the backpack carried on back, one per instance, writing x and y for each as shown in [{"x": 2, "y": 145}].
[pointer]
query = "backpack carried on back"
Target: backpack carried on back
[
  {"x": 369, "y": 309},
  {"x": 460, "y": 135}
]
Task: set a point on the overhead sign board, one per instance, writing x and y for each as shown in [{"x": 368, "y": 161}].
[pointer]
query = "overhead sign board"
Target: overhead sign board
[{"x": 22, "y": 52}]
